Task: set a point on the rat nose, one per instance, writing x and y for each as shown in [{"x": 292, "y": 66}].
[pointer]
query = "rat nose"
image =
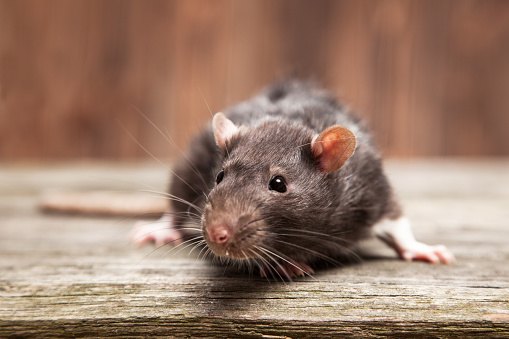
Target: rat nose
[{"x": 219, "y": 234}]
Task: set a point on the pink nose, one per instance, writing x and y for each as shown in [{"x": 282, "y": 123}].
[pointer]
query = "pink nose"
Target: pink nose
[{"x": 219, "y": 234}]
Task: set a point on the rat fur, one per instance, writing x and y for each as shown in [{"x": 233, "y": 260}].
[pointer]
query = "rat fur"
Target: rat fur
[{"x": 286, "y": 179}]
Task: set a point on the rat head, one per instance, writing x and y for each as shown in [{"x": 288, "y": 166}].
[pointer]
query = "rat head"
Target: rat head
[{"x": 272, "y": 182}]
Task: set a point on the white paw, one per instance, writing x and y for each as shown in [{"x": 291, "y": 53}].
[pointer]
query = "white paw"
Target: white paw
[
  {"x": 420, "y": 251},
  {"x": 159, "y": 233}
]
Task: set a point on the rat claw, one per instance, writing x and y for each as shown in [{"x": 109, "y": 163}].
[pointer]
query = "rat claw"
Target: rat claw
[
  {"x": 263, "y": 271},
  {"x": 433, "y": 254},
  {"x": 444, "y": 254},
  {"x": 300, "y": 268},
  {"x": 285, "y": 271},
  {"x": 288, "y": 270}
]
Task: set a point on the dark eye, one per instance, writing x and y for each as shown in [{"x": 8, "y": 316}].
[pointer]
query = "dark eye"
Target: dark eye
[
  {"x": 278, "y": 184},
  {"x": 220, "y": 176}
]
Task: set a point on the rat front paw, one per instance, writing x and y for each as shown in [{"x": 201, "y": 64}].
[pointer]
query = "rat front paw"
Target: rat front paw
[
  {"x": 155, "y": 232},
  {"x": 286, "y": 270},
  {"x": 420, "y": 251}
]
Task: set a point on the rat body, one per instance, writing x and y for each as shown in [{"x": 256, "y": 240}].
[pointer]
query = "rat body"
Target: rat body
[{"x": 285, "y": 179}]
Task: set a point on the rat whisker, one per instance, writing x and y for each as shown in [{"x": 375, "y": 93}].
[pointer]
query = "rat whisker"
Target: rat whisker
[
  {"x": 248, "y": 261},
  {"x": 188, "y": 213},
  {"x": 282, "y": 257},
  {"x": 202, "y": 243},
  {"x": 170, "y": 140},
  {"x": 132, "y": 228},
  {"x": 181, "y": 246},
  {"x": 270, "y": 268},
  {"x": 255, "y": 220},
  {"x": 151, "y": 231},
  {"x": 149, "y": 253},
  {"x": 205, "y": 248},
  {"x": 315, "y": 240},
  {"x": 179, "y": 224},
  {"x": 189, "y": 208},
  {"x": 321, "y": 141},
  {"x": 196, "y": 229},
  {"x": 342, "y": 250},
  {"x": 205, "y": 101},
  {"x": 208, "y": 255},
  {"x": 256, "y": 260},
  {"x": 318, "y": 235},
  {"x": 279, "y": 269},
  {"x": 176, "y": 198},
  {"x": 318, "y": 254},
  {"x": 155, "y": 158}
]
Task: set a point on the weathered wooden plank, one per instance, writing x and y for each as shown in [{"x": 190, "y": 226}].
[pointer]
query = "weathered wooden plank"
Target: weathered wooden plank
[{"x": 79, "y": 276}]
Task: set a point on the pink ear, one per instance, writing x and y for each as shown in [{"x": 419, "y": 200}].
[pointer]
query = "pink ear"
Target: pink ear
[
  {"x": 333, "y": 147},
  {"x": 223, "y": 128}
]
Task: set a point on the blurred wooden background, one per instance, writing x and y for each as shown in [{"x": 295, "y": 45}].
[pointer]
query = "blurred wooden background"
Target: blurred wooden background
[{"x": 431, "y": 77}]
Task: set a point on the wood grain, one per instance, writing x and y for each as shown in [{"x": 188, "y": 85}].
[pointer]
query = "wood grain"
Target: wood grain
[
  {"x": 430, "y": 76},
  {"x": 64, "y": 276}
]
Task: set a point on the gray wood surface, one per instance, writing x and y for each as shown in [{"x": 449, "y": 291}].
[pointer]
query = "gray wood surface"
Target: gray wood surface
[{"x": 65, "y": 275}]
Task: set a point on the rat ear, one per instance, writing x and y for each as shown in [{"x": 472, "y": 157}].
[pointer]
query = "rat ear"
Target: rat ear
[
  {"x": 223, "y": 129},
  {"x": 333, "y": 147}
]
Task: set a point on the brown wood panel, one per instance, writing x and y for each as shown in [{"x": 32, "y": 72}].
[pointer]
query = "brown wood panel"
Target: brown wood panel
[{"x": 431, "y": 77}]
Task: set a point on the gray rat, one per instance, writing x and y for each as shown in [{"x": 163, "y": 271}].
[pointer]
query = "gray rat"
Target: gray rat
[{"x": 283, "y": 180}]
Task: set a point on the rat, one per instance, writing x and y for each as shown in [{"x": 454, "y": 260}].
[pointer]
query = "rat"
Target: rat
[{"x": 284, "y": 180}]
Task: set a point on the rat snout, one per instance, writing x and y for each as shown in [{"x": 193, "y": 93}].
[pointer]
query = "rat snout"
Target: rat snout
[
  {"x": 219, "y": 234},
  {"x": 231, "y": 231},
  {"x": 220, "y": 238}
]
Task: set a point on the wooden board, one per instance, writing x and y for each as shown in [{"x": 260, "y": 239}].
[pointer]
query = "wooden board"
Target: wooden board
[
  {"x": 431, "y": 77},
  {"x": 65, "y": 276}
]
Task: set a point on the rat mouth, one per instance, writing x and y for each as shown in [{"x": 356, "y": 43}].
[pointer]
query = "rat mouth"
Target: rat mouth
[{"x": 230, "y": 251}]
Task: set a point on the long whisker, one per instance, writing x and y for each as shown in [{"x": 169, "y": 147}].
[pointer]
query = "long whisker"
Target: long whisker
[
  {"x": 255, "y": 220},
  {"x": 248, "y": 262},
  {"x": 206, "y": 249},
  {"x": 344, "y": 248},
  {"x": 200, "y": 243},
  {"x": 148, "y": 254},
  {"x": 159, "y": 229},
  {"x": 265, "y": 249},
  {"x": 176, "y": 198},
  {"x": 181, "y": 246},
  {"x": 272, "y": 269},
  {"x": 187, "y": 215},
  {"x": 318, "y": 254},
  {"x": 319, "y": 235},
  {"x": 273, "y": 257},
  {"x": 315, "y": 240},
  {"x": 141, "y": 146},
  {"x": 341, "y": 155},
  {"x": 130, "y": 218},
  {"x": 155, "y": 158},
  {"x": 170, "y": 140},
  {"x": 309, "y": 143},
  {"x": 323, "y": 256},
  {"x": 205, "y": 100},
  {"x": 208, "y": 253}
]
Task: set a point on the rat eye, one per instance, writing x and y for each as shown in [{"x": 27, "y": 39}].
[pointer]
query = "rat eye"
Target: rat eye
[
  {"x": 220, "y": 176},
  {"x": 278, "y": 184}
]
